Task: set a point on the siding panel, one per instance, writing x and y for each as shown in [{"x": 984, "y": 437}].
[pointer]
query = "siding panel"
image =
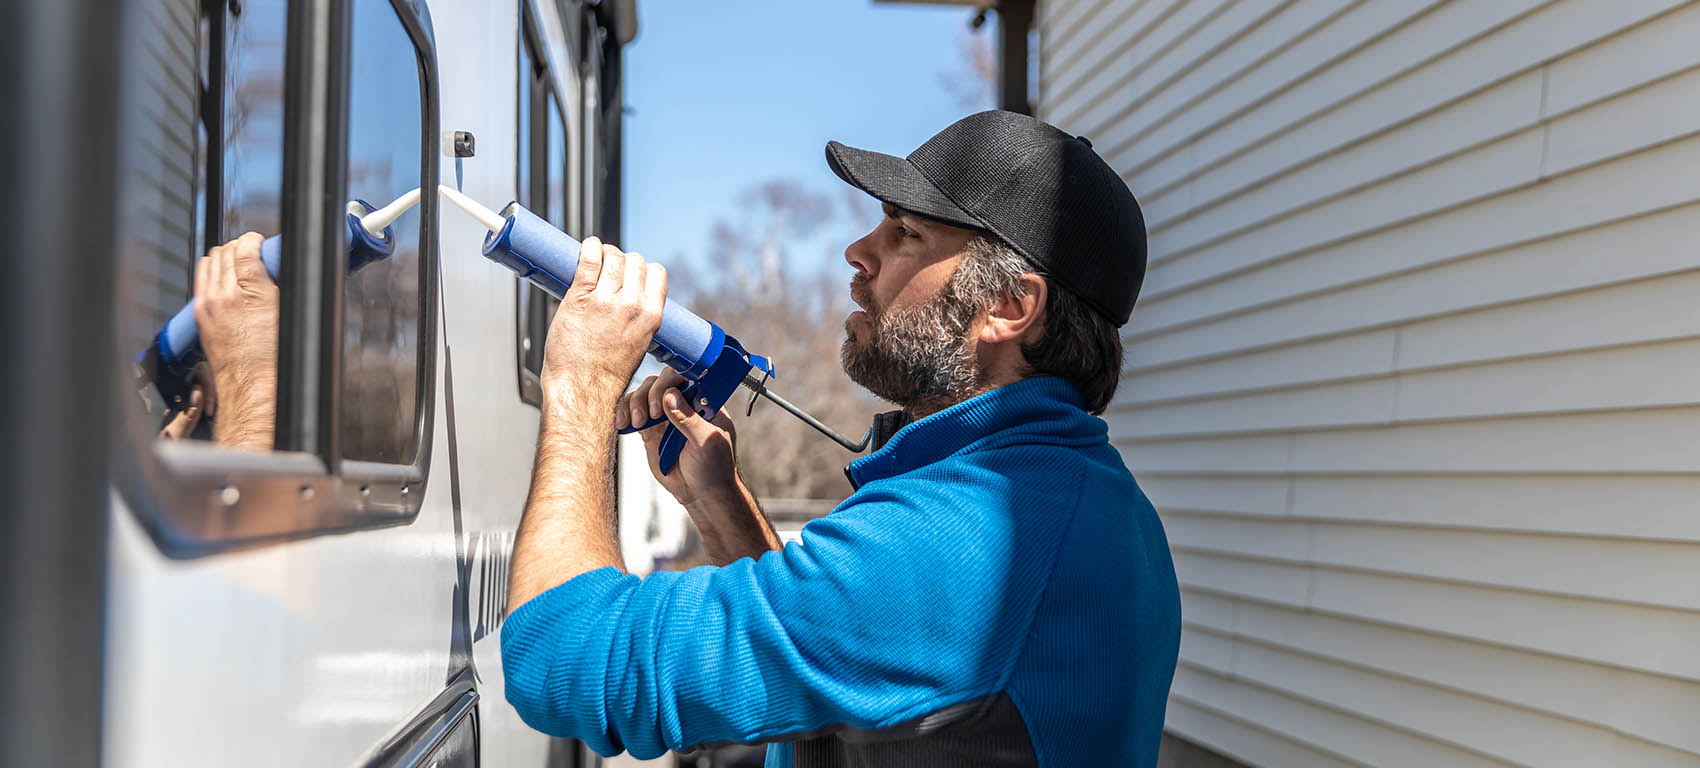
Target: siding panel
[
  {"x": 1415, "y": 379},
  {"x": 1243, "y": 741},
  {"x": 1171, "y": 25},
  {"x": 1123, "y": 94},
  {"x": 1640, "y": 247},
  {"x": 1637, "y": 704},
  {"x": 1352, "y": 737},
  {"x": 1250, "y": 54}
]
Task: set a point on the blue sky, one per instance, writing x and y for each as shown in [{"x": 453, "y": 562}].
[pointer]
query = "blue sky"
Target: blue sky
[{"x": 724, "y": 95}]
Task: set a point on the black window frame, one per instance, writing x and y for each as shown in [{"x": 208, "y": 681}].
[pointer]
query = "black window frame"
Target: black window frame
[
  {"x": 195, "y": 498},
  {"x": 216, "y": 14}
]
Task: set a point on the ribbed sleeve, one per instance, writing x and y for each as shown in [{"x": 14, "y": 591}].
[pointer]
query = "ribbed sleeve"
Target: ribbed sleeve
[{"x": 544, "y": 631}]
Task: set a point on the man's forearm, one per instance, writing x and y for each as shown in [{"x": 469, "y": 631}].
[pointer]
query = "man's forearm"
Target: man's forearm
[
  {"x": 568, "y": 527},
  {"x": 733, "y": 527},
  {"x": 247, "y": 411}
]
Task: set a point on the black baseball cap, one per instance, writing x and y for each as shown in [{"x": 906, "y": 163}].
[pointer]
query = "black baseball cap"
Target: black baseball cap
[{"x": 1046, "y": 193}]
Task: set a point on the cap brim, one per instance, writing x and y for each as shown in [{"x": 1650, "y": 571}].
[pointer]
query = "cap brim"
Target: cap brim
[{"x": 897, "y": 181}]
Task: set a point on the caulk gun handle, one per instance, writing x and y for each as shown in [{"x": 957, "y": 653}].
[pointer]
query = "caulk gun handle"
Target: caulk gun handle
[{"x": 672, "y": 440}]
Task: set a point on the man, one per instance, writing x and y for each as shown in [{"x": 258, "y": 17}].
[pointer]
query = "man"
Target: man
[{"x": 996, "y": 591}]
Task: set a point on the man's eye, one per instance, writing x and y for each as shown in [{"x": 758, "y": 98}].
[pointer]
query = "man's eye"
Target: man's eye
[{"x": 903, "y": 231}]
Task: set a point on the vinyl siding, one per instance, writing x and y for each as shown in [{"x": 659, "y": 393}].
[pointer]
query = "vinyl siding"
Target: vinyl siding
[{"x": 1415, "y": 376}]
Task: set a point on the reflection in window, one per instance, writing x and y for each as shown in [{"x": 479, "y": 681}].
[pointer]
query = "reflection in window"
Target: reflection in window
[{"x": 382, "y": 302}]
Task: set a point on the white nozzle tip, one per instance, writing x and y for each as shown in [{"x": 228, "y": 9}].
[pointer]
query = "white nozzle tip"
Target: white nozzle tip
[
  {"x": 491, "y": 220},
  {"x": 376, "y": 221}
]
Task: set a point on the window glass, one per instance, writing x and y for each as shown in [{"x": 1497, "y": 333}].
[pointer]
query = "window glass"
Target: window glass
[
  {"x": 557, "y": 209},
  {"x": 382, "y": 303},
  {"x": 252, "y": 156}
]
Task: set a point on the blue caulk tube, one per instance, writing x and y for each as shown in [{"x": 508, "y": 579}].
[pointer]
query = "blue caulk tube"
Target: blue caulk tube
[
  {"x": 176, "y": 348},
  {"x": 548, "y": 257}
]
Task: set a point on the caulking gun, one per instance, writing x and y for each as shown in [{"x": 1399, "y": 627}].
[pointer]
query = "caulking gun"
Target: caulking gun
[
  {"x": 713, "y": 363},
  {"x": 169, "y": 360}
]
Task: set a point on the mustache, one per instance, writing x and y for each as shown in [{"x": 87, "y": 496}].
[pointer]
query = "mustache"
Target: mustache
[{"x": 860, "y": 293}]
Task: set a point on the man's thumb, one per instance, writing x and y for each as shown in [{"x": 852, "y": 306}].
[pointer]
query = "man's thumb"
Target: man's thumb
[{"x": 694, "y": 427}]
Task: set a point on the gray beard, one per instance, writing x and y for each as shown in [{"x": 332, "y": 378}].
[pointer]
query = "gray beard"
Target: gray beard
[{"x": 919, "y": 357}]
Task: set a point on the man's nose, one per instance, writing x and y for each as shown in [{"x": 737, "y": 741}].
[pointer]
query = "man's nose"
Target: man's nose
[{"x": 861, "y": 256}]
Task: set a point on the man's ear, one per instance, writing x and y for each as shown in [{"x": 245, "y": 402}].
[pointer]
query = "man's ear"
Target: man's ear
[{"x": 1015, "y": 318}]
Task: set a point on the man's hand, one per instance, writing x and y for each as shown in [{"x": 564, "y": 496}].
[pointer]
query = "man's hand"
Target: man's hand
[
  {"x": 706, "y": 480},
  {"x": 236, "y": 310},
  {"x": 707, "y": 468},
  {"x": 183, "y": 422},
  {"x": 603, "y": 326}
]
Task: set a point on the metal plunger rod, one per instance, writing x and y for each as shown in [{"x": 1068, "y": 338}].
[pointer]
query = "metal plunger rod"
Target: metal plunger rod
[{"x": 759, "y": 385}]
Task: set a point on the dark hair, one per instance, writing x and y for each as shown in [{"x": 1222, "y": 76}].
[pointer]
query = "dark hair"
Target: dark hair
[{"x": 1076, "y": 342}]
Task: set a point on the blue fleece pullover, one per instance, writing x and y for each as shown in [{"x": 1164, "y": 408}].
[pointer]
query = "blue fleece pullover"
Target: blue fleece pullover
[{"x": 999, "y": 546}]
